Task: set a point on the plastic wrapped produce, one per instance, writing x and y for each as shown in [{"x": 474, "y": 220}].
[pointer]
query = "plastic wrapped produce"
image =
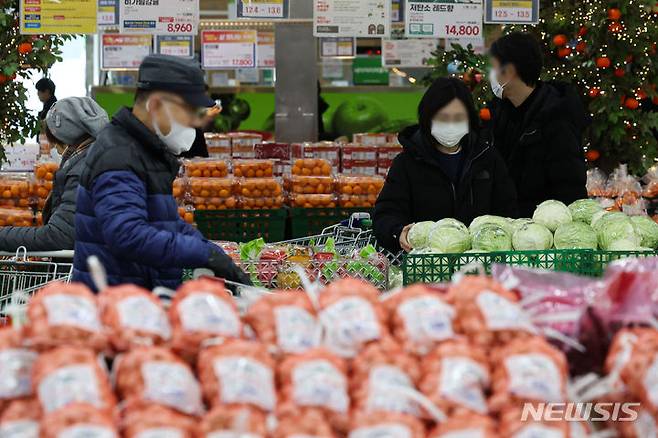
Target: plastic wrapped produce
[
  {"x": 311, "y": 201},
  {"x": 243, "y": 421},
  {"x": 45, "y": 170},
  {"x": 466, "y": 425},
  {"x": 285, "y": 320},
  {"x": 202, "y": 310},
  {"x": 511, "y": 425},
  {"x": 20, "y": 419},
  {"x": 597, "y": 182},
  {"x": 645, "y": 426},
  {"x": 420, "y": 318},
  {"x": 253, "y": 168},
  {"x": 311, "y": 167},
  {"x": 203, "y": 167},
  {"x": 77, "y": 421},
  {"x": 306, "y": 424},
  {"x": 16, "y": 217},
  {"x": 387, "y": 425},
  {"x": 238, "y": 372},
  {"x": 144, "y": 420},
  {"x": 309, "y": 184},
  {"x": 16, "y": 364},
  {"x": 351, "y": 315},
  {"x": 65, "y": 314},
  {"x": 156, "y": 375},
  {"x": 530, "y": 370},
  {"x": 213, "y": 193},
  {"x": 69, "y": 375},
  {"x": 259, "y": 193},
  {"x": 133, "y": 317},
  {"x": 17, "y": 189},
  {"x": 456, "y": 378}
]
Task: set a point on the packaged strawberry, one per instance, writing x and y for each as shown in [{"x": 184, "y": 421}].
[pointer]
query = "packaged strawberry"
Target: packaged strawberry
[
  {"x": 528, "y": 370},
  {"x": 456, "y": 378},
  {"x": 68, "y": 375},
  {"x": 156, "y": 375},
  {"x": 77, "y": 421},
  {"x": 237, "y": 372},
  {"x": 390, "y": 425},
  {"x": 309, "y": 423},
  {"x": 63, "y": 314},
  {"x": 238, "y": 421},
  {"x": 148, "y": 420},
  {"x": 16, "y": 362},
  {"x": 420, "y": 318},
  {"x": 134, "y": 317},
  {"x": 466, "y": 425},
  {"x": 285, "y": 320},
  {"x": 202, "y": 311},
  {"x": 351, "y": 316},
  {"x": 20, "y": 419}
]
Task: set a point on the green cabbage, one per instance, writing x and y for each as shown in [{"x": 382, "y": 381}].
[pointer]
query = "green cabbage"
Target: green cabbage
[
  {"x": 531, "y": 237},
  {"x": 449, "y": 239},
  {"x": 600, "y": 221},
  {"x": 597, "y": 217},
  {"x": 451, "y": 222},
  {"x": 647, "y": 230},
  {"x": 575, "y": 235},
  {"x": 491, "y": 237},
  {"x": 418, "y": 233},
  {"x": 624, "y": 245},
  {"x": 518, "y": 223},
  {"x": 552, "y": 214},
  {"x": 582, "y": 210},
  {"x": 504, "y": 223},
  {"x": 617, "y": 233}
]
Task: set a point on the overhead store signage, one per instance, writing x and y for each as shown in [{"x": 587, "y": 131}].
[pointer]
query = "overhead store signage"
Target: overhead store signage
[
  {"x": 175, "y": 45},
  {"x": 443, "y": 19},
  {"x": 58, "y": 17},
  {"x": 265, "y": 50},
  {"x": 351, "y": 18},
  {"x": 228, "y": 49},
  {"x": 337, "y": 47},
  {"x": 368, "y": 70},
  {"x": 124, "y": 52},
  {"x": 263, "y": 8},
  {"x": 397, "y": 11},
  {"x": 408, "y": 53},
  {"x": 108, "y": 12},
  {"x": 511, "y": 11},
  {"x": 162, "y": 17}
]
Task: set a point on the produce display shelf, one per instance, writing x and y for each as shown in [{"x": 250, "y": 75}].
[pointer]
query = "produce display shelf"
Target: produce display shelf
[
  {"x": 436, "y": 268},
  {"x": 306, "y": 222},
  {"x": 242, "y": 225}
]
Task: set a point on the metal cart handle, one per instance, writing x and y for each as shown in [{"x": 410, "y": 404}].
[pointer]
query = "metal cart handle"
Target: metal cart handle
[{"x": 22, "y": 254}]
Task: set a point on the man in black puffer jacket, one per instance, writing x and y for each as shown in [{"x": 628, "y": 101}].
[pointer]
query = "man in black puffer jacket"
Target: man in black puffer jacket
[{"x": 537, "y": 126}]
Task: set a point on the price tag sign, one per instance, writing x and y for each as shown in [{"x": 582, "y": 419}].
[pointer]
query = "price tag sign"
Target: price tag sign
[
  {"x": 397, "y": 11},
  {"x": 228, "y": 49},
  {"x": 337, "y": 47},
  {"x": 443, "y": 19},
  {"x": 108, "y": 12},
  {"x": 263, "y": 8},
  {"x": 511, "y": 11},
  {"x": 408, "y": 53},
  {"x": 58, "y": 17},
  {"x": 160, "y": 17},
  {"x": 265, "y": 50},
  {"x": 124, "y": 52},
  {"x": 352, "y": 18},
  {"x": 175, "y": 45}
]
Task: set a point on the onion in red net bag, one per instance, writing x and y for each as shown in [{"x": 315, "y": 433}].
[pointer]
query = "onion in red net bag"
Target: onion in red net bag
[
  {"x": 78, "y": 421},
  {"x": 234, "y": 421},
  {"x": 466, "y": 425},
  {"x": 16, "y": 363},
  {"x": 154, "y": 374},
  {"x": 134, "y": 317},
  {"x": 286, "y": 320},
  {"x": 351, "y": 316},
  {"x": 513, "y": 425},
  {"x": 20, "y": 419},
  {"x": 238, "y": 372},
  {"x": 420, "y": 318},
  {"x": 528, "y": 370},
  {"x": 382, "y": 377},
  {"x": 310, "y": 423},
  {"x": 146, "y": 420},
  {"x": 68, "y": 375},
  {"x": 487, "y": 313},
  {"x": 456, "y": 377},
  {"x": 65, "y": 314},
  {"x": 200, "y": 311},
  {"x": 390, "y": 425}
]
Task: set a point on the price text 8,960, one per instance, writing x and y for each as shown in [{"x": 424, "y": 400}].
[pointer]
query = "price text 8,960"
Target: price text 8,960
[{"x": 179, "y": 27}]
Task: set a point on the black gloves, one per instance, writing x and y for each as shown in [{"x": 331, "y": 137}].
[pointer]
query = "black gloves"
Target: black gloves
[{"x": 224, "y": 267}]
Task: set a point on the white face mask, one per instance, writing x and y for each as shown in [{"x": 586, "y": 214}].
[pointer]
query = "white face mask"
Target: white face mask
[
  {"x": 496, "y": 87},
  {"x": 449, "y": 134},
  {"x": 180, "y": 138}
]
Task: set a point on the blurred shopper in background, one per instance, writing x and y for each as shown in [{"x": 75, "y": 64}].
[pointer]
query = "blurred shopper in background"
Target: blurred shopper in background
[
  {"x": 71, "y": 125},
  {"x": 46, "y": 92}
]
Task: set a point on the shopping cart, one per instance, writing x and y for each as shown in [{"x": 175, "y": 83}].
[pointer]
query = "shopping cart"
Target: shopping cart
[{"x": 23, "y": 273}]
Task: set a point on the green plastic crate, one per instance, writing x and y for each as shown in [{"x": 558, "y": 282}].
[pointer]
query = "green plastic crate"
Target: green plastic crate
[
  {"x": 242, "y": 225},
  {"x": 436, "y": 268},
  {"x": 306, "y": 222}
]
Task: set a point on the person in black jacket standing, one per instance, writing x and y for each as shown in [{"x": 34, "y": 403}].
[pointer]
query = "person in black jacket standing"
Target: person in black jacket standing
[
  {"x": 46, "y": 92},
  {"x": 537, "y": 126},
  {"x": 446, "y": 169}
]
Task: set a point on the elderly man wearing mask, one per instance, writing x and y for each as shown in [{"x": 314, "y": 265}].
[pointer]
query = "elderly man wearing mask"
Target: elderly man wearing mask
[
  {"x": 126, "y": 213},
  {"x": 71, "y": 125}
]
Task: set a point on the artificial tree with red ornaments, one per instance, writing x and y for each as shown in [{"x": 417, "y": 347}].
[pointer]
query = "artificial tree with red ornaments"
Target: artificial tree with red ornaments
[
  {"x": 21, "y": 57},
  {"x": 606, "y": 48}
]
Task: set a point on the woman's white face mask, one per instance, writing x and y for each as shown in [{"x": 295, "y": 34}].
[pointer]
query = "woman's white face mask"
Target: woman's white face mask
[
  {"x": 180, "y": 138},
  {"x": 449, "y": 134}
]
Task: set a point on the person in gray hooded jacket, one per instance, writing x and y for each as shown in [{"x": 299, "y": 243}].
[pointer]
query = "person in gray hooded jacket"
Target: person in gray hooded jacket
[{"x": 71, "y": 125}]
